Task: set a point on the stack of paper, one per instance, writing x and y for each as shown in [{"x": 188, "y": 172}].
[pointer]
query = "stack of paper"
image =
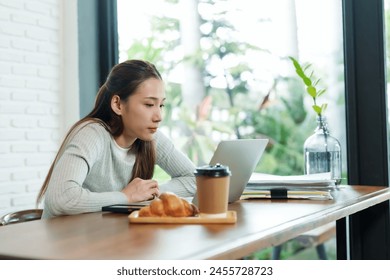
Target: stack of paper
[
  {"x": 286, "y": 194},
  {"x": 316, "y": 181},
  {"x": 313, "y": 186}
]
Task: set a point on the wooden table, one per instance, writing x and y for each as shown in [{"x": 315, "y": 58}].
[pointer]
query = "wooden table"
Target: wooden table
[{"x": 260, "y": 224}]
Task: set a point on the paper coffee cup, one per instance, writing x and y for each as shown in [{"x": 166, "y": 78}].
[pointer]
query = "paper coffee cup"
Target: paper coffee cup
[{"x": 212, "y": 184}]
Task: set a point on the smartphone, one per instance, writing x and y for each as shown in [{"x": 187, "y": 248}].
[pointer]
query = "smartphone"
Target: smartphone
[{"x": 122, "y": 208}]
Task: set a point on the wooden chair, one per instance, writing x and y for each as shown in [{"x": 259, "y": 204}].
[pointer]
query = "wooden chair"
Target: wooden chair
[
  {"x": 21, "y": 216},
  {"x": 316, "y": 237}
]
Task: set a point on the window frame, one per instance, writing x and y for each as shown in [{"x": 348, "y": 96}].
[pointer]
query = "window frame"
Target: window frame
[
  {"x": 367, "y": 128},
  {"x": 98, "y": 47}
]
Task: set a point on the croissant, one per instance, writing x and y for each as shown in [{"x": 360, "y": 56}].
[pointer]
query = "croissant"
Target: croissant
[{"x": 169, "y": 204}]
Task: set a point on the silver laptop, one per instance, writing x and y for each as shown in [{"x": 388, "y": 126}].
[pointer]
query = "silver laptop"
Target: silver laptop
[{"x": 242, "y": 156}]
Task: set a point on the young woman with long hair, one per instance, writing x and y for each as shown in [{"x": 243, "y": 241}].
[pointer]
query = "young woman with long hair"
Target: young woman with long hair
[{"x": 108, "y": 157}]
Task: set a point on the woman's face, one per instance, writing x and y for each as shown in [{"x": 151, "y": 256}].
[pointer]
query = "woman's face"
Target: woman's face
[{"x": 142, "y": 112}]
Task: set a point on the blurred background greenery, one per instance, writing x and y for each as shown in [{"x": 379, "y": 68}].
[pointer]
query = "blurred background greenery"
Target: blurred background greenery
[{"x": 224, "y": 98}]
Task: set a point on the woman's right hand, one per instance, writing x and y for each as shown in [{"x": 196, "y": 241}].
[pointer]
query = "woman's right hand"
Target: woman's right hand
[{"x": 140, "y": 190}]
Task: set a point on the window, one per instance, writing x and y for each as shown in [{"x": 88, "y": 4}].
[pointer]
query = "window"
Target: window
[{"x": 228, "y": 74}]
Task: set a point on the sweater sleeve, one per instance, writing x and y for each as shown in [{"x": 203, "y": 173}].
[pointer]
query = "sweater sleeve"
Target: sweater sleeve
[
  {"x": 177, "y": 165},
  {"x": 65, "y": 194}
]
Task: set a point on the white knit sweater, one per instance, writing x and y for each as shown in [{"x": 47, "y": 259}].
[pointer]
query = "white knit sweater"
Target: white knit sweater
[{"x": 93, "y": 170}]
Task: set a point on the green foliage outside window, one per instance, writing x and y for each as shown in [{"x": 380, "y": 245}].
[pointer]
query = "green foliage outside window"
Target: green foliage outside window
[{"x": 283, "y": 120}]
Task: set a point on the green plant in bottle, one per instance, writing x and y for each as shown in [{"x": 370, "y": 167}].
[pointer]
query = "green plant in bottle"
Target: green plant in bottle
[{"x": 322, "y": 152}]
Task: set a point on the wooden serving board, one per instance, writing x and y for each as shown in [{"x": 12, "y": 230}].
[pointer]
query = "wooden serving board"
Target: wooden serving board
[{"x": 231, "y": 218}]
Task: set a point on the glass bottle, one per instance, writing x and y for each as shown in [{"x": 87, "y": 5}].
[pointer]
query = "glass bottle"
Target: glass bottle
[{"x": 323, "y": 152}]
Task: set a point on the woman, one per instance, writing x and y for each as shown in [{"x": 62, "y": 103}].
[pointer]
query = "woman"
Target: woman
[{"x": 108, "y": 157}]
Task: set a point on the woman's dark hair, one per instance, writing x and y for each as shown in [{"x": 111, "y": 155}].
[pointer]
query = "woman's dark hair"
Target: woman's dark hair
[{"x": 123, "y": 80}]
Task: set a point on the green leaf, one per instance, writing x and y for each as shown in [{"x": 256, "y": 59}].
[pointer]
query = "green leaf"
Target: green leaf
[
  {"x": 306, "y": 67},
  {"x": 300, "y": 73},
  {"x": 317, "y": 109},
  {"x": 296, "y": 63},
  {"x": 324, "y": 106},
  {"x": 321, "y": 92},
  {"x": 312, "y": 91},
  {"x": 307, "y": 81}
]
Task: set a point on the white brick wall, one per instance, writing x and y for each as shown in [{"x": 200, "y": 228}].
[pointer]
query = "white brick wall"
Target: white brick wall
[{"x": 31, "y": 114}]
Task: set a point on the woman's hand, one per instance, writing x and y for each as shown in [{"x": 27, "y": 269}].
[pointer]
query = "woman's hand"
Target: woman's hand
[{"x": 140, "y": 190}]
